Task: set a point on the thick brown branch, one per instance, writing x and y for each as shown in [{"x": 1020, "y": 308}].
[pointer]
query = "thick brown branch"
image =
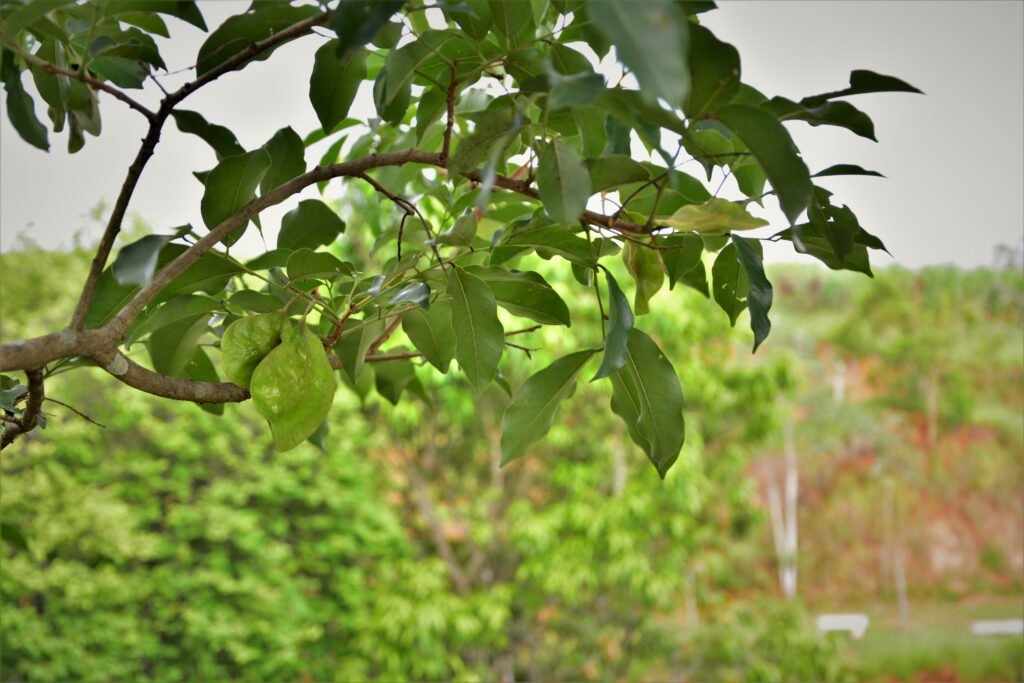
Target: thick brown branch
[
  {"x": 134, "y": 375},
  {"x": 33, "y": 406}
]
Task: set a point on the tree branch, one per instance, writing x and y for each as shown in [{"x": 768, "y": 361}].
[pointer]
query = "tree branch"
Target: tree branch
[
  {"x": 100, "y": 85},
  {"x": 138, "y": 377},
  {"x": 33, "y": 406}
]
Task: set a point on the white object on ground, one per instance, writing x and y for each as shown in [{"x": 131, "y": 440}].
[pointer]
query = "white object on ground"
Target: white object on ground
[
  {"x": 997, "y": 627},
  {"x": 854, "y": 624}
]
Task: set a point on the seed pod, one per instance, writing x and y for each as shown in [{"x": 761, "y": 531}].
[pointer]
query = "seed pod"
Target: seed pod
[
  {"x": 246, "y": 342},
  {"x": 293, "y": 387}
]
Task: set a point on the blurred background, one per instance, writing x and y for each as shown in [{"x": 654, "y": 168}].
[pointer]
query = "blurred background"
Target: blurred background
[{"x": 866, "y": 460}]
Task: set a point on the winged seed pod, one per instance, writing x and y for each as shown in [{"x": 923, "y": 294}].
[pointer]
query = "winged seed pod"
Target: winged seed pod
[
  {"x": 293, "y": 387},
  {"x": 246, "y": 342}
]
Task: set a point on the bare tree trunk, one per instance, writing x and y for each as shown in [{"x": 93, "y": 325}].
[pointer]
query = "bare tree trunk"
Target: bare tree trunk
[
  {"x": 792, "y": 484},
  {"x": 778, "y": 527}
]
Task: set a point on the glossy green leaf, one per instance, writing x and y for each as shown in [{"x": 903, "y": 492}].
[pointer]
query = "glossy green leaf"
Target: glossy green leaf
[
  {"x": 759, "y": 300},
  {"x": 862, "y": 81},
  {"x": 275, "y": 258},
  {"x": 730, "y": 283},
  {"x": 461, "y": 233},
  {"x": 620, "y": 323},
  {"x": 563, "y": 182},
  {"x": 124, "y": 73},
  {"x": 209, "y": 274},
  {"x": 431, "y": 333},
  {"x": 136, "y": 262},
  {"x": 490, "y": 133},
  {"x": 248, "y": 301},
  {"x": 480, "y": 338},
  {"x": 714, "y": 72},
  {"x": 231, "y": 185},
  {"x": 645, "y": 267},
  {"x": 174, "y": 310},
  {"x": 413, "y": 293},
  {"x": 306, "y": 264},
  {"x": 715, "y": 216},
  {"x": 293, "y": 387},
  {"x": 774, "y": 149},
  {"x": 431, "y": 106},
  {"x": 20, "y": 106},
  {"x": 356, "y": 22},
  {"x": 311, "y": 224},
  {"x": 356, "y": 337},
  {"x": 525, "y": 294},
  {"x": 287, "y": 159},
  {"x": 647, "y": 396},
  {"x": 334, "y": 82},
  {"x": 237, "y": 33},
  {"x": 651, "y": 38},
  {"x": 682, "y": 256},
  {"x": 842, "y": 114},
  {"x": 172, "y": 346},
  {"x": 529, "y": 416},
  {"x": 555, "y": 240},
  {"x": 696, "y": 278},
  {"x": 614, "y": 170},
  {"x": 389, "y": 110}
]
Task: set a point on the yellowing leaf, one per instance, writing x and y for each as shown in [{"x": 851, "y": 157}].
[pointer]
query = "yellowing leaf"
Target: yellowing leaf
[{"x": 716, "y": 216}]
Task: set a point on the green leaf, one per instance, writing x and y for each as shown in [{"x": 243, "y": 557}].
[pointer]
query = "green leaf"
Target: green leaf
[
  {"x": 356, "y": 337},
  {"x": 9, "y": 396},
  {"x": 774, "y": 149},
  {"x": 246, "y": 342},
  {"x": 172, "y": 346},
  {"x": 461, "y": 233},
  {"x": 173, "y": 311},
  {"x": 818, "y": 246},
  {"x": 555, "y": 240},
  {"x": 846, "y": 169},
  {"x": 186, "y": 10},
  {"x": 645, "y": 267},
  {"x": 682, "y": 257},
  {"x": 647, "y": 396},
  {"x": 209, "y": 274},
  {"x": 563, "y": 182},
  {"x": 390, "y": 111},
  {"x": 620, "y": 322},
  {"x": 651, "y": 38},
  {"x": 357, "y": 21},
  {"x": 432, "y": 104},
  {"x": 759, "y": 301},
  {"x": 13, "y": 535},
  {"x": 575, "y": 90},
  {"x": 287, "y": 159},
  {"x": 730, "y": 283},
  {"x": 318, "y": 438},
  {"x": 839, "y": 225},
  {"x": 510, "y": 18},
  {"x": 237, "y": 33},
  {"x": 136, "y": 262},
  {"x": 124, "y": 73},
  {"x": 714, "y": 72},
  {"x": 231, "y": 185},
  {"x": 480, "y": 338},
  {"x": 306, "y": 264},
  {"x": 311, "y": 224},
  {"x": 715, "y": 216},
  {"x": 20, "y": 106},
  {"x": 414, "y": 293},
  {"x": 615, "y": 170},
  {"x": 334, "y": 82},
  {"x": 842, "y": 114},
  {"x": 431, "y": 333},
  {"x": 489, "y": 135},
  {"x": 529, "y": 416},
  {"x": 392, "y": 377},
  {"x": 250, "y": 301},
  {"x": 862, "y": 81},
  {"x": 293, "y": 387},
  {"x": 525, "y": 294},
  {"x": 697, "y": 278},
  {"x": 275, "y": 258}
]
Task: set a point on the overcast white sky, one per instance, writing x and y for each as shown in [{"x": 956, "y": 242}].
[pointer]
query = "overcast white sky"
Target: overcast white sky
[{"x": 954, "y": 158}]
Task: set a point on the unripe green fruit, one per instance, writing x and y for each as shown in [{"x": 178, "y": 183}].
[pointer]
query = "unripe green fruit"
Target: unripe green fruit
[
  {"x": 246, "y": 342},
  {"x": 293, "y": 387}
]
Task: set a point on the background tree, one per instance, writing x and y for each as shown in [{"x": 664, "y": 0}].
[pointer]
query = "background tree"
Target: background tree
[{"x": 495, "y": 142}]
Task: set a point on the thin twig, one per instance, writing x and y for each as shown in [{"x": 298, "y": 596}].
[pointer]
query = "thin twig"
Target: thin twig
[
  {"x": 408, "y": 207},
  {"x": 336, "y": 334},
  {"x": 100, "y": 85},
  {"x": 384, "y": 357},
  {"x": 528, "y": 329},
  {"x": 77, "y": 412},
  {"x": 525, "y": 350},
  {"x": 450, "y": 122},
  {"x": 388, "y": 331}
]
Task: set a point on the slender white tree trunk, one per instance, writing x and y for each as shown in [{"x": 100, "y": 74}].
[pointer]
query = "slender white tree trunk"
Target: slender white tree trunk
[{"x": 782, "y": 509}]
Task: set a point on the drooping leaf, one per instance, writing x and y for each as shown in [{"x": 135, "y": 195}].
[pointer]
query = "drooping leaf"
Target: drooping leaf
[
  {"x": 563, "y": 182},
  {"x": 862, "y": 81},
  {"x": 715, "y": 216},
  {"x": 20, "y": 106},
  {"x": 769, "y": 141},
  {"x": 20, "y": 17},
  {"x": 173, "y": 311},
  {"x": 651, "y": 38},
  {"x": 414, "y": 293},
  {"x": 431, "y": 333},
  {"x": 714, "y": 72},
  {"x": 524, "y": 294},
  {"x": 645, "y": 267},
  {"x": 334, "y": 82},
  {"x": 293, "y": 387},
  {"x": 172, "y": 346},
  {"x": 697, "y": 278},
  {"x": 389, "y": 110},
  {"x": 529, "y": 416},
  {"x": 480, "y": 338},
  {"x": 392, "y": 377},
  {"x": 357, "y": 21},
  {"x": 817, "y": 245},
  {"x": 311, "y": 224},
  {"x": 237, "y": 33},
  {"x": 647, "y": 396},
  {"x": 287, "y": 159},
  {"x": 231, "y": 185},
  {"x": 620, "y": 323},
  {"x": 759, "y": 300},
  {"x": 730, "y": 283},
  {"x": 683, "y": 255},
  {"x": 842, "y": 114},
  {"x": 356, "y": 337},
  {"x": 136, "y": 262}
]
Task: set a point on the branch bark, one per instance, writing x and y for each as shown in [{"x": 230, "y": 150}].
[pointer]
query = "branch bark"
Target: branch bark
[{"x": 33, "y": 406}]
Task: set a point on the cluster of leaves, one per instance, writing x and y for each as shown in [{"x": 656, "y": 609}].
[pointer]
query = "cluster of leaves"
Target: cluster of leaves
[{"x": 521, "y": 137}]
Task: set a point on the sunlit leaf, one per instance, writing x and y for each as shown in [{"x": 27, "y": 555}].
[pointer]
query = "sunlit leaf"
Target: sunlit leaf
[{"x": 716, "y": 215}]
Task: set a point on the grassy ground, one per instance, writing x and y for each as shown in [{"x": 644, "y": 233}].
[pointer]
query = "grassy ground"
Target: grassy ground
[{"x": 937, "y": 644}]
